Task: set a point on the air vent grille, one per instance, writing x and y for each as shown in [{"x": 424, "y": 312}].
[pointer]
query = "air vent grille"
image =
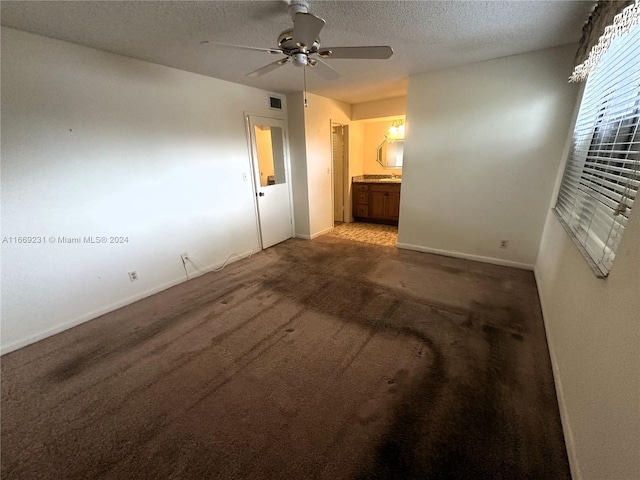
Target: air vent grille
[{"x": 275, "y": 103}]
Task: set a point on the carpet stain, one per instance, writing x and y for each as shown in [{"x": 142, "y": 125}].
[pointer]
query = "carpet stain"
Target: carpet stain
[{"x": 304, "y": 361}]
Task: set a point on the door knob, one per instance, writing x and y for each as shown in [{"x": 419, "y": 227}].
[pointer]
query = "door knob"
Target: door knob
[{"x": 261, "y": 194}]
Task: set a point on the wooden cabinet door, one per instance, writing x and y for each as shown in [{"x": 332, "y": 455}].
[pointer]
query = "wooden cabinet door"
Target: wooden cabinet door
[
  {"x": 377, "y": 204},
  {"x": 393, "y": 205},
  {"x": 360, "y": 200},
  {"x": 376, "y": 201}
]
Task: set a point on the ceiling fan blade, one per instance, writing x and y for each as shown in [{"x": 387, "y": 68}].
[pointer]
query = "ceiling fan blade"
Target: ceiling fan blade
[
  {"x": 306, "y": 28},
  {"x": 370, "y": 53},
  {"x": 268, "y": 68},
  {"x": 323, "y": 69},
  {"x": 257, "y": 49}
]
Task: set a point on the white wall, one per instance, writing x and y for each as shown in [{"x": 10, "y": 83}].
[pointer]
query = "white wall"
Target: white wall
[
  {"x": 482, "y": 148},
  {"x": 94, "y": 144},
  {"x": 356, "y": 164},
  {"x": 297, "y": 147},
  {"x": 388, "y": 107},
  {"x": 593, "y": 331}
]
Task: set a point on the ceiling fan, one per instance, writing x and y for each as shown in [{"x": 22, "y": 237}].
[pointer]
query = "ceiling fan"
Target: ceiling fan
[{"x": 300, "y": 45}]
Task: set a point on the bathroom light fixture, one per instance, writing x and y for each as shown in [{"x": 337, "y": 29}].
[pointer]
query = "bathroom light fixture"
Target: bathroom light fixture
[{"x": 395, "y": 132}]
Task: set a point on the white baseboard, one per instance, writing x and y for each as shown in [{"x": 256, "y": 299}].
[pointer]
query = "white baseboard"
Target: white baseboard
[
  {"x": 321, "y": 232},
  {"x": 88, "y": 316},
  {"x": 564, "y": 415},
  {"x": 114, "y": 306},
  {"x": 303, "y": 236},
  {"x": 466, "y": 256}
]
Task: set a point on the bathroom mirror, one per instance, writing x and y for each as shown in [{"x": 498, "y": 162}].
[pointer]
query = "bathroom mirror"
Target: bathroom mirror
[{"x": 390, "y": 153}]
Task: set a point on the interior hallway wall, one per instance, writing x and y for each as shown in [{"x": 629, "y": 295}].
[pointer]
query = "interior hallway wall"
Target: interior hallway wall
[
  {"x": 386, "y": 107},
  {"x": 356, "y": 164},
  {"x": 299, "y": 178},
  {"x": 310, "y": 129},
  {"x": 482, "y": 148},
  {"x": 99, "y": 145}
]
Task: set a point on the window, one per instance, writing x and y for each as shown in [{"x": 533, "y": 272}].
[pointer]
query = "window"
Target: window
[{"x": 602, "y": 174}]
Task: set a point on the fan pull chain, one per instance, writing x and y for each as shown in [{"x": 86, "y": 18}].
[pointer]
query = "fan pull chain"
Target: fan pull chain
[{"x": 304, "y": 80}]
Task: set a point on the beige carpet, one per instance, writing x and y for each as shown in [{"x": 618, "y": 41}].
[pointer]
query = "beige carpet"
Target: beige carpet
[
  {"x": 373, "y": 233},
  {"x": 321, "y": 359}
]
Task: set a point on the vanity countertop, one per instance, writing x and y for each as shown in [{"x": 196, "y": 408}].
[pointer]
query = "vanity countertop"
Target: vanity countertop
[{"x": 378, "y": 179}]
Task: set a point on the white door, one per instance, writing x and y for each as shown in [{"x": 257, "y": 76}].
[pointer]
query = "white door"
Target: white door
[{"x": 272, "y": 179}]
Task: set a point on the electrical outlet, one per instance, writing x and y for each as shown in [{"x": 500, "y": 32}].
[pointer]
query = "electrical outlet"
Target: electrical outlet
[
  {"x": 504, "y": 243},
  {"x": 133, "y": 276},
  {"x": 184, "y": 257}
]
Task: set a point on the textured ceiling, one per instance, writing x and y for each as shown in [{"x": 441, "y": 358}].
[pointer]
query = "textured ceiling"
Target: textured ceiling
[{"x": 425, "y": 35}]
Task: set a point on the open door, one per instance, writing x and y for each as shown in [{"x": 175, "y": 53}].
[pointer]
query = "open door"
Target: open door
[{"x": 271, "y": 178}]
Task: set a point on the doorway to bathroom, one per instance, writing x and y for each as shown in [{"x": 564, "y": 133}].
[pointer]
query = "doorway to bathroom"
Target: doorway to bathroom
[{"x": 366, "y": 202}]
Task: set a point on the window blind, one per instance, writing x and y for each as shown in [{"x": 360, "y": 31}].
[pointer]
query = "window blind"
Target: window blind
[{"x": 602, "y": 174}]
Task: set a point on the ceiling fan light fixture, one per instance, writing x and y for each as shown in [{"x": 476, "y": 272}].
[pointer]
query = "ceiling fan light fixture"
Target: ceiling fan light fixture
[
  {"x": 325, "y": 53},
  {"x": 300, "y": 59}
]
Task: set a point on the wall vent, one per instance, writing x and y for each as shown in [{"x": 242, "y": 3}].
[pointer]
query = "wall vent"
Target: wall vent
[{"x": 275, "y": 103}]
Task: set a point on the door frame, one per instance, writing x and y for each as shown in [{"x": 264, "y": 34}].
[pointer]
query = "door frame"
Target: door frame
[
  {"x": 252, "y": 172},
  {"x": 346, "y": 197}
]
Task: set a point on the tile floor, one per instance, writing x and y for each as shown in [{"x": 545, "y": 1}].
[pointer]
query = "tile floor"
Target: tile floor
[{"x": 374, "y": 233}]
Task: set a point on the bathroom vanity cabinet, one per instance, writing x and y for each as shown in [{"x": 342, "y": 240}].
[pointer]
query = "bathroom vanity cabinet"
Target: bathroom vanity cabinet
[{"x": 376, "y": 201}]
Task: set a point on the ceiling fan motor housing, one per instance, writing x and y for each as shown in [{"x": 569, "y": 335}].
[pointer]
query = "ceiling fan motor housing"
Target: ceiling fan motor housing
[
  {"x": 301, "y": 44},
  {"x": 286, "y": 43}
]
